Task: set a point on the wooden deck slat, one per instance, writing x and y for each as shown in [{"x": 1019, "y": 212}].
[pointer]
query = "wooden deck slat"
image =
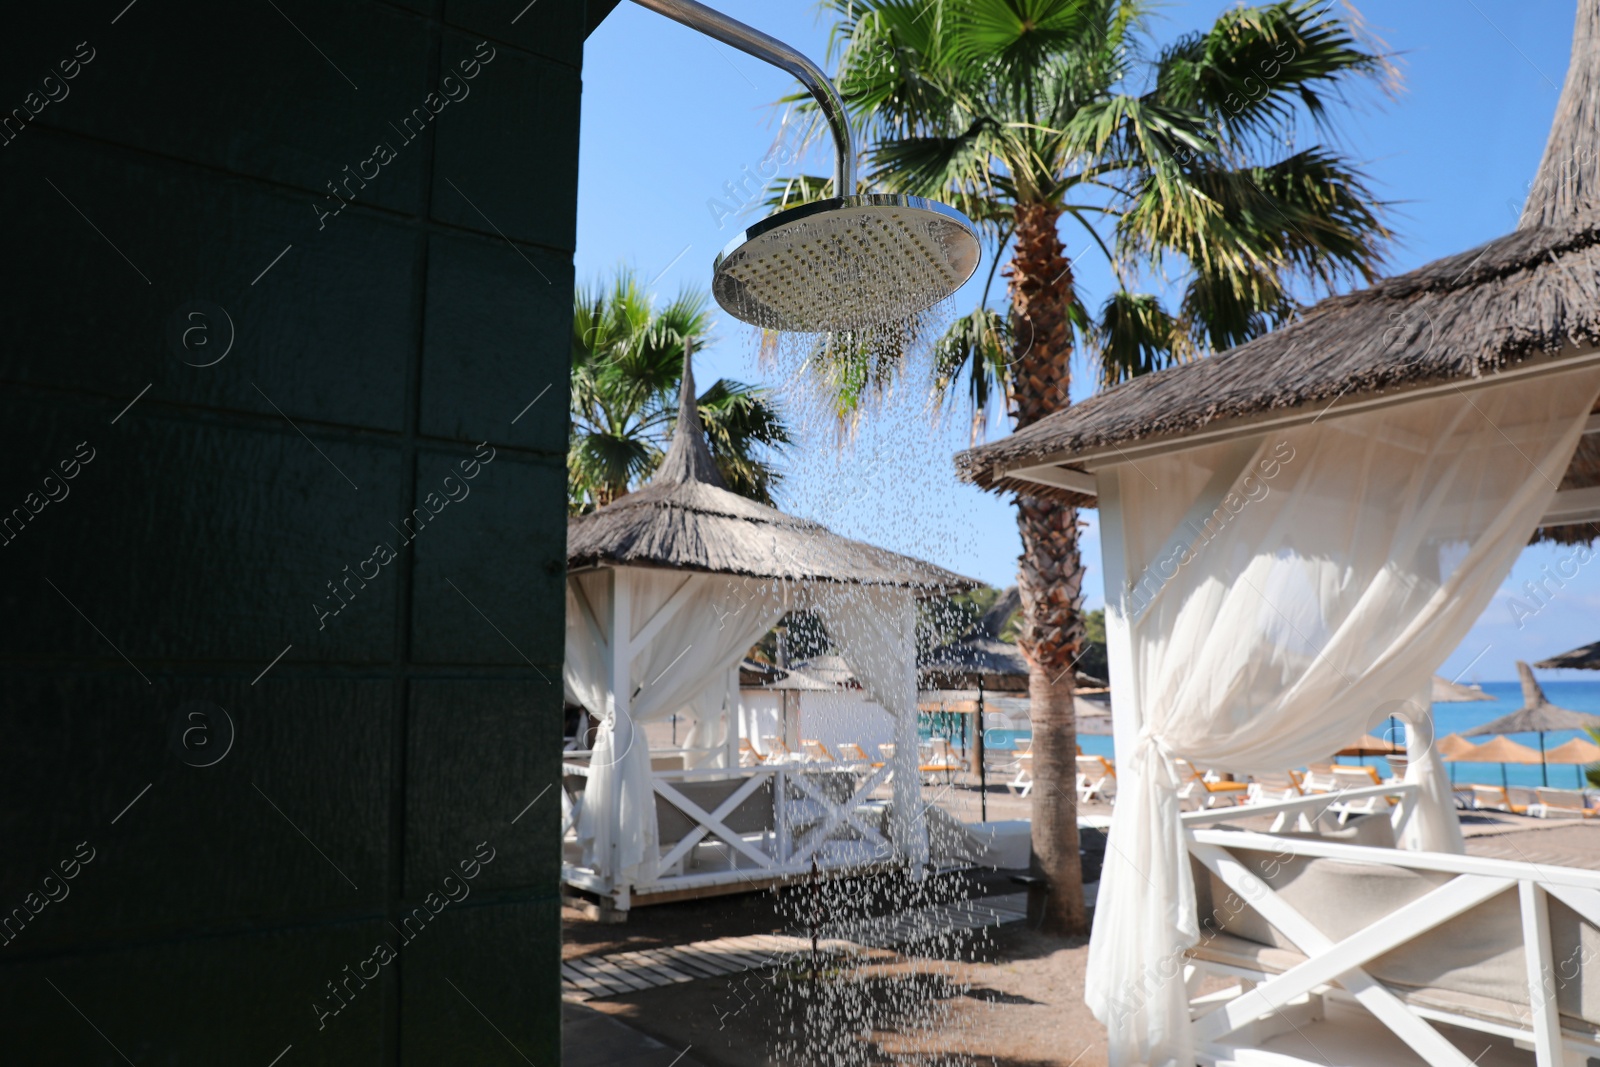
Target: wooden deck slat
[{"x": 641, "y": 969}]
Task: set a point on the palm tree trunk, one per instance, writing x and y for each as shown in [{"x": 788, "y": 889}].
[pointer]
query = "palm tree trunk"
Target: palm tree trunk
[{"x": 1050, "y": 572}]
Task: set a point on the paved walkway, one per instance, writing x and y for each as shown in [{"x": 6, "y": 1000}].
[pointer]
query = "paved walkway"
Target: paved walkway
[
  {"x": 590, "y": 1039},
  {"x": 586, "y": 977}
]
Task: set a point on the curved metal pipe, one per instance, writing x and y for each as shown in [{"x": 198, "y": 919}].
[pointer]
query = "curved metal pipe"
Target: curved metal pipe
[{"x": 747, "y": 39}]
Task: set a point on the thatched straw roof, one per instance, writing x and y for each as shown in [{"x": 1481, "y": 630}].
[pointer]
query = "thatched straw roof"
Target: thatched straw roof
[
  {"x": 687, "y": 519},
  {"x": 1578, "y": 750},
  {"x": 1537, "y": 714},
  {"x": 1586, "y": 658},
  {"x": 1504, "y": 750},
  {"x": 1532, "y": 293}
]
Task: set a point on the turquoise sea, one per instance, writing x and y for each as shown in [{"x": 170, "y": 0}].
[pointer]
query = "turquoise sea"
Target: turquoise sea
[{"x": 1448, "y": 719}]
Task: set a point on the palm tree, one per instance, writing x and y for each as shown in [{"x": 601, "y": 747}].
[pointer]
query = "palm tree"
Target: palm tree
[
  {"x": 627, "y": 366},
  {"x": 1028, "y": 113}
]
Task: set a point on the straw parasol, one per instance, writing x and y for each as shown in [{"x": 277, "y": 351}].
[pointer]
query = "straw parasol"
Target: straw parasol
[
  {"x": 1537, "y": 715},
  {"x": 1453, "y": 749},
  {"x": 1579, "y": 751},
  {"x": 1367, "y": 745},
  {"x": 1503, "y": 750},
  {"x": 1586, "y": 658}
]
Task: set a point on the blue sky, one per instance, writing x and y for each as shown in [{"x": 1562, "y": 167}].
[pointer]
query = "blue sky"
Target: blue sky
[{"x": 671, "y": 117}]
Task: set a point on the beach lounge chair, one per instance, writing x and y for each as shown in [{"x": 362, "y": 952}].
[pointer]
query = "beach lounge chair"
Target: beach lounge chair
[
  {"x": 1554, "y": 803},
  {"x": 1267, "y": 787},
  {"x": 938, "y": 759},
  {"x": 778, "y": 751},
  {"x": 1097, "y": 777},
  {"x": 851, "y": 752},
  {"x": 1318, "y": 778},
  {"x": 1022, "y": 784},
  {"x": 748, "y": 756},
  {"x": 816, "y": 752},
  {"x": 1206, "y": 792},
  {"x": 1347, "y": 777},
  {"x": 1495, "y": 798}
]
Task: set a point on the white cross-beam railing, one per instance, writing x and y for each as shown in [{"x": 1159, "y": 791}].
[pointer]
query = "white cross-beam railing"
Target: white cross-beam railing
[
  {"x": 712, "y": 822},
  {"x": 1327, "y": 962},
  {"x": 835, "y": 815}
]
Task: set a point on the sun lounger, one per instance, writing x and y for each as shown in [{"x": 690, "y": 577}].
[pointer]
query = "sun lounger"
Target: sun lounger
[
  {"x": 1348, "y": 777},
  {"x": 816, "y": 752},
  {"x": 1022, "y": 784},
  {"x": 1318, "y": 778},
  {"x": 1267, "y": 787},
  {"x": 1562, "y": 802},
  {"x": 850, "y": 752},
  {"x": 1495, "y": 798},
  {"x": 748, "y": 756},
  {"x": 779, "y": 752},
  {"x": 1204, "y": 791},
  {"x": 1097, "y": 777},
  {"x": 938, "y": 759}
]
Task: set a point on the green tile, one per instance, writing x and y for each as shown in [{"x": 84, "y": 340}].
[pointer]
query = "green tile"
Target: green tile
[
  {"x": 258, "y": 92},
  {"x": 489, "y": 351},
  {"x": 233, "y": 1000},
  {"x": 507, "y": 156},
  {"x": 296, "y": 801},
  {"x": 326, "y": 328},
  {"x": 184, "y": 540},
  {"x": 480, "y": 756},
  {"x": 491, "y": 569}
]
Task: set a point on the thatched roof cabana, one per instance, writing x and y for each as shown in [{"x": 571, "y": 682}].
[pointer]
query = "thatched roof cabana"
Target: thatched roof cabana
[
  {"x": 1515, "y": 305},
  {"x": 667, "y": 590},
  {"x": 1294, "y": 535}
]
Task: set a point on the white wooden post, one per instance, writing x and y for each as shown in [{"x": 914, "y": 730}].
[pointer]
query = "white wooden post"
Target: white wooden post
[
  {"x": 909, "y": 839},
  {"x": 730, "y": 739},
  {"x": 620, "y": 656},
  {"x": 908, "y": 828},
  {"x": 1547, "y": 1044}
]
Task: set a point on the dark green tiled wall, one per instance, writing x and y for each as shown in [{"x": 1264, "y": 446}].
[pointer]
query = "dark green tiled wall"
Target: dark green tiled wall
[{"x": 366, "y": 365}]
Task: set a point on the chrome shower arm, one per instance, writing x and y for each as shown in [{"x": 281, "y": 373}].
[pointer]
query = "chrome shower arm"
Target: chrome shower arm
[{"x": 748, "y": 39}]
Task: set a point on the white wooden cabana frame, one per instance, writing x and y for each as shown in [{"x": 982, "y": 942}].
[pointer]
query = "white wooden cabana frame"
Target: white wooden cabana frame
[
  {"x": 1268, "y": 1003},
  {"x": 806, "y": 827},
  {"x": 832, "y": 834},
  {"x": 739, "y": 566}
]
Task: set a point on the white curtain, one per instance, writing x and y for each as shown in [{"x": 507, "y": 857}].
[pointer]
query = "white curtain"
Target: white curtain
[
  {"x": 1287, "y": 592},
  {"x": 714, "y": 620},
  {"x": 713, "y": 718},
  {"x": 875, "y": 628}
]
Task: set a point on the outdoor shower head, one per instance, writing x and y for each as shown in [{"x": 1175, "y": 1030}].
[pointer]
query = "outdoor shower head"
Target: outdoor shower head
[{"x": 848, "y": 263}]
